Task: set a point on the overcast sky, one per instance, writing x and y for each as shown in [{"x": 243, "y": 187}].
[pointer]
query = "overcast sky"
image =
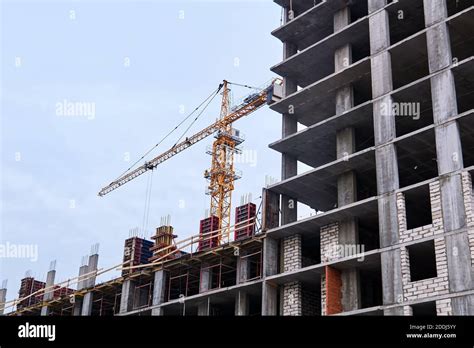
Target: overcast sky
[{"x": 139, "y": 64}]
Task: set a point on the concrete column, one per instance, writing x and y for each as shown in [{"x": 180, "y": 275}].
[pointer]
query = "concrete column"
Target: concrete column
[
  {"x": 3, "y": 300},
  {"x": 159, "y": 289},
  {"x": 204, "y": 308},
  {"x": 89, "y": 283},
  {"x": 48, "y": 295},
  {"x": 127, "y": 298},
  {"x": 385, "y": 155},
  {"x": 243, "y": 269},
  {"x": 449, "y": 153},
  {"x": 92, "y": 267},
  {"x": 270, "y": 267},
  {"x": 269, "y": 299},
  {"x": 289, "y": 165},
  {"x": 346, "y": 182},
  {"x": 463, "y": 305},
  {"x": 87, "y": 305},
  {"x": 271, "y": 210},
  {"x": 206, "y": 278},
  {"x": 80, "y": 285},
  {"x": 242, "y": 303}
]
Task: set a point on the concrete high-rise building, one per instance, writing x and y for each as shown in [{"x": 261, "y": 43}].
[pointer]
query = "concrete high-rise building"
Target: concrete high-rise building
[{"x": 378, "y": 101}]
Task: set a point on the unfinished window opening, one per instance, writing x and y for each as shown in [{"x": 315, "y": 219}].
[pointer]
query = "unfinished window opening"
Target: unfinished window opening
[
  {"x": 409, "y": 61},
  {"x": 142, "y": 294},
  {"x": 418, "y": 207},
  {"x": 364, "y": 134},
  {"x": 370, "y": 287},
  {"x": 105, "y": 304},
  {"x": 417, "y": 158},
  {"x": 424, "y": 309},
  {"x": 369, "y": 238},
  {"x": 359, "y": 9},
  {"x": 311, "y": 298},
  {"x": 412, "y": 108},
  {"x": 362, "y": 89},
  {"x": 255, "y": 266},
  {"x": 463, "y": 83},
  {"x": 366, "y": 182},
  {"x": 422, "y": 261},
  {"x": 460, "y": 34},
  {"x": 310, "y": 250},
  {"x": 456, "y": 6},
  {"x": 406, "y": 18},
  {"x": 255, "y": 304},
  {"x": 467, "y": 139},
  {"x": 223, "y": 308},
  {"x": 222, "y": 275},
  {"x": 183, "y": 281}
]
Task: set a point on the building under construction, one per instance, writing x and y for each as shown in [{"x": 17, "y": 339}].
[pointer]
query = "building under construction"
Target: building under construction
[{"x": 378, "y": 100}]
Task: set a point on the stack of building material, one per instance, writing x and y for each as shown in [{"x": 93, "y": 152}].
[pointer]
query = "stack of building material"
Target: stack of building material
[
  {"x": 209, "y": 240},
  {"x": 245, "y": 221}
]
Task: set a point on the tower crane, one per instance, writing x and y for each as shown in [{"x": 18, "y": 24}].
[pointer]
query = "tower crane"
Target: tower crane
[{"x": 222, "y": 174}]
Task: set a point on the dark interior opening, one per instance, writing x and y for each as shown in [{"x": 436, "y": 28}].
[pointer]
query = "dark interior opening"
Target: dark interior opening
[
  {"x": 409, "y": 61},
  {"x": 424, "y": 309},
  {"x": 406, "y": 18},
  {"x": 422, "y": 261},
  {"x": 418, "y": 207},
  {"x": 455, "y": 6},
  {"x": 310, "y": 250},
  {"x": 417, "y": 158},
  {"x": 370, "y": 287}
]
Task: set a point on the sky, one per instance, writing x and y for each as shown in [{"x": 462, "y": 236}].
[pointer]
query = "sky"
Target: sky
[{"x": 141, "y": 67}]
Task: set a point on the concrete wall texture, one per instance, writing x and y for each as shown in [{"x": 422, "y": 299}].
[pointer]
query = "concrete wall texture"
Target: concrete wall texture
[{"x": 392, "y": 181}]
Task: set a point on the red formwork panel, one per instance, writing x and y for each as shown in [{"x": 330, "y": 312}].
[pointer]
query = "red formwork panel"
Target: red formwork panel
[
  {"x": 137, "y": 250},
  {"x": 29, "y": 286},
  {"x": 210, "y": 240},
  {"x": 244, "y": 216}
]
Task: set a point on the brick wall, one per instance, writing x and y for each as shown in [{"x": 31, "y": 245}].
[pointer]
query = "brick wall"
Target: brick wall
[
  {"x": 424, "y": 231},
  {"x": 292, "y": 253},
  {"x": 323, "y": 294},
  {"x": 292, "y": 299},
  {"x": 292, "y": 260},
  {"x": 329, "y": 241},
  {"x": 443, "y": 307},
  {"x": 329, "y": 235},
  {"x": 333, "y": 285},
  {"x": 468, "y": 204},
  {"x": 426, "y": 287}
]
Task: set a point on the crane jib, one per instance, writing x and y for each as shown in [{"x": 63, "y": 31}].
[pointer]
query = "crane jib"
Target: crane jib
[{"x": 253, "y": 103}]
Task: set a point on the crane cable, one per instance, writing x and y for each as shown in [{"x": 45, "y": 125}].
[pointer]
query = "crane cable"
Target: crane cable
[
  {"x": 197, "y": 117},
  {"x": 146, "y": 211},
  {"x": 212, "y": 95}
]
